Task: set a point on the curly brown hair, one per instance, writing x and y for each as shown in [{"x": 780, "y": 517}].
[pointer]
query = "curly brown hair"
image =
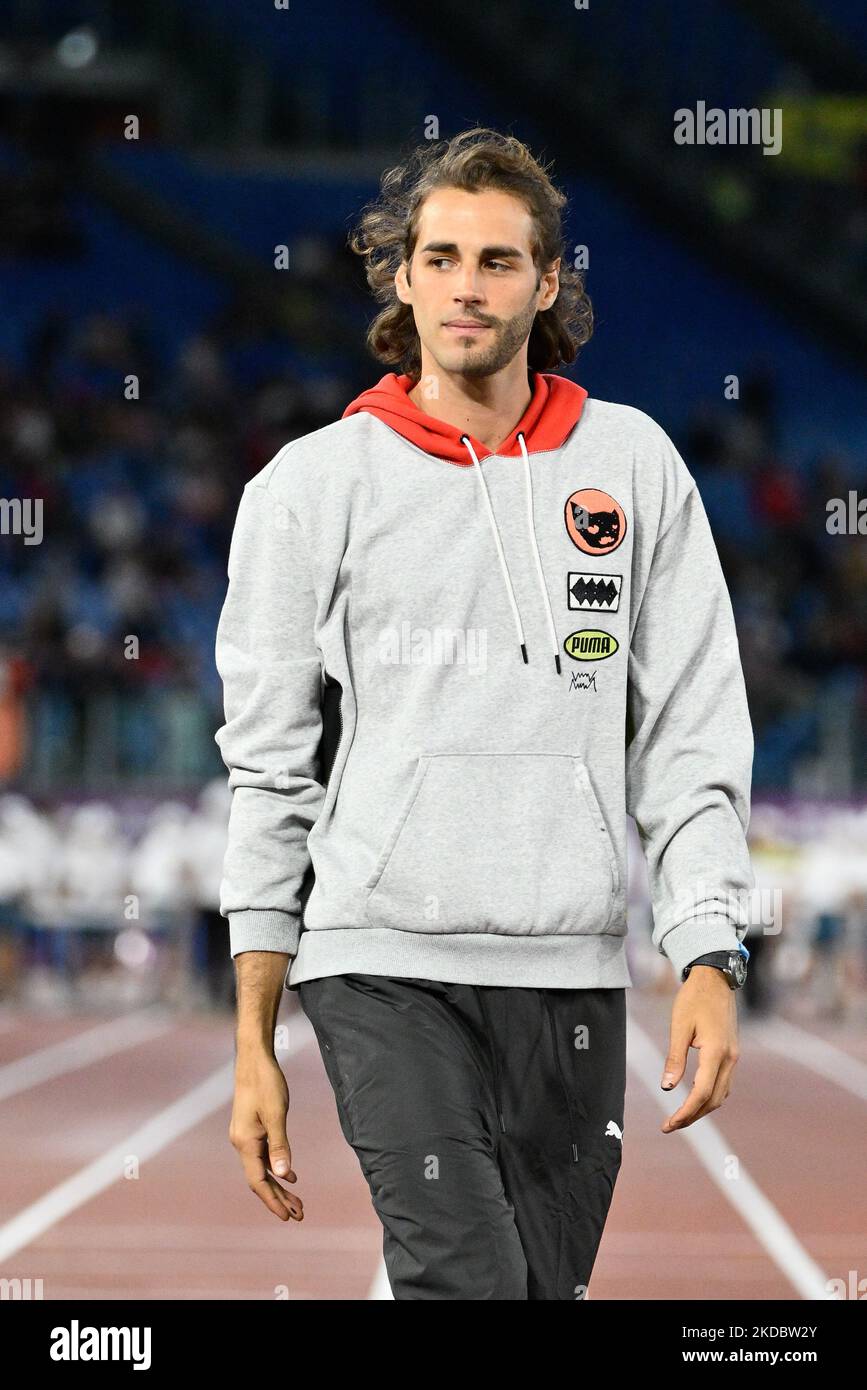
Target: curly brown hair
[{"x": 388, "y": 227}]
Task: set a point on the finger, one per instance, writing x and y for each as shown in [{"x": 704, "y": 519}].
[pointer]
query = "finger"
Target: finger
[
  {"x": 286, "y": 1205},
  {"x": 282, "y": 1203},
  {"x": 680, "y": 1039},
  {"x": 702, "y": 1089},
  {"x": 279, "y": 1152},
  {"x": 721, "y": 1089}
]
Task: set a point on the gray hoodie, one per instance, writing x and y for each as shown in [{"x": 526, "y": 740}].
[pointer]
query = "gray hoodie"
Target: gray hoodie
[{"x": 526, "y": 646}]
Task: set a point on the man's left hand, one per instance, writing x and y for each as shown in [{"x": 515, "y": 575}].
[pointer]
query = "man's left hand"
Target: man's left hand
[{"x": 704, "y": 1016}]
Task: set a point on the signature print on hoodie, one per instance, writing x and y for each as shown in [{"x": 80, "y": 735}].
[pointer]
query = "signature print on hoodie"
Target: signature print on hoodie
[{"x": 595, "y": 522}]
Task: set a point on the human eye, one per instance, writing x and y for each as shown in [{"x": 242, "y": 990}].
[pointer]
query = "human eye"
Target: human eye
[{"x": 440, "y": 260}]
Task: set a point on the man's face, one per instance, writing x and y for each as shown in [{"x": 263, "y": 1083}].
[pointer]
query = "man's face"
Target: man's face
[{"x": 472, "y": 264}]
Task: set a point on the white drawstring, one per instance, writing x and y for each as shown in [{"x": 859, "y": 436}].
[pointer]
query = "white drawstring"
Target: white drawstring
[
  {"x": 542, "y": 585},
  {"x": 465, "y": 439},
  {"x": 503, "y": 566}
]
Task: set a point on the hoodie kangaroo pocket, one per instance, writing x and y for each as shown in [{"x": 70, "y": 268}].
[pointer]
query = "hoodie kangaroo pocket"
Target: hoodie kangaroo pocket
[{"x": 512, "y": 843}]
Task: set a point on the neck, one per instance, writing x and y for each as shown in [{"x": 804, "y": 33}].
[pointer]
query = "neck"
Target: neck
[{"x": 488, "y": 408}]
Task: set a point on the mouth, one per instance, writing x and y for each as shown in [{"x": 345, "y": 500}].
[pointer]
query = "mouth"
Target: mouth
[{"x": 472, "y": 327}]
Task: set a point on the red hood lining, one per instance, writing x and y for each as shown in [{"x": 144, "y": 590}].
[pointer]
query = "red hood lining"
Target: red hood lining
[{"x": 553, "y": 412}]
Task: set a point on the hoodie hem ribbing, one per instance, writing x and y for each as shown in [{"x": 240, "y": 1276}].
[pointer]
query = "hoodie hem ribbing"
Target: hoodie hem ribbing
[
  {"x": 255, "y": 929},
  {"x": 477, "y": 958}
]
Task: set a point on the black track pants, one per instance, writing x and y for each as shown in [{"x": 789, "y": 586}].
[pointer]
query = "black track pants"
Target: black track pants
[{"x": 487, "y": 1122}]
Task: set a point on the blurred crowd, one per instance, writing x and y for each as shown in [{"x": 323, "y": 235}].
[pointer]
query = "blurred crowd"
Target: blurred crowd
[
  {"x": 799, "y": 590},
  {"x": 139, "y": 497}
]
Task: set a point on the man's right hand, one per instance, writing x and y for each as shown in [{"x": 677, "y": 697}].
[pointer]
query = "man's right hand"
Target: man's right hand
[{"x": 258, "y": 1131}]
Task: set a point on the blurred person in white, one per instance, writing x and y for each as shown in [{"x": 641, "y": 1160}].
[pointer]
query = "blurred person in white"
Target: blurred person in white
[
  {"x": 831, "y": 885},
  {"x": 205, "y": 842},
  {"x": 29, "y": 873}
]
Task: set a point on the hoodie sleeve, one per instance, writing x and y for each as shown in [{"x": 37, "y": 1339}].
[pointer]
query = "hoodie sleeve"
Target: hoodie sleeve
[
  {"x": 689, "y": 749},
  {"x": 270, "y": 667}
]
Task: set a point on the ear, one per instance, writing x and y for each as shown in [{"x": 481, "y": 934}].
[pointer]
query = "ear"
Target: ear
[
  {"x": 550, "y": 285},
  {"x": 402, "y": 289}
]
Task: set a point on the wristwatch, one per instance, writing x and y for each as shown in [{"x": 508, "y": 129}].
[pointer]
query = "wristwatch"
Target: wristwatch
[{"x": 733, "y": 964}]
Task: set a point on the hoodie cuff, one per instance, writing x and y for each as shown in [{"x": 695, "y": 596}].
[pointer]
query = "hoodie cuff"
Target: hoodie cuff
[
  {"x": 268, "y": 929},
  {"x": 697, "y": 937}
]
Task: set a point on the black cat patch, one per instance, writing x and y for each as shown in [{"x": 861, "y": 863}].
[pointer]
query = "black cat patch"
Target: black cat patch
[{"x": 594, "y": 521}]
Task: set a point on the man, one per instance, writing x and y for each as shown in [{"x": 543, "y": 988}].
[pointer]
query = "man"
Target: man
[{"x": 515, "y": 591}]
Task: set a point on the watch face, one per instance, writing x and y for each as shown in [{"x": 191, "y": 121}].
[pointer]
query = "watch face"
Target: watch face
[{"x": 739, "y": 969}]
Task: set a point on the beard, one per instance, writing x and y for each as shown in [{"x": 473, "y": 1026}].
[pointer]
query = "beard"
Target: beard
[{"x": 474, "y": 361}]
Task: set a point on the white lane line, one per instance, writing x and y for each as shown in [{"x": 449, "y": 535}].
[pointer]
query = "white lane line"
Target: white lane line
[
  {"x": 380, "y": 1288},
  {"x": 104, "y": 1240},
  {"x": 747, "y": 1198},
  {"x": 103, "y": 1172},
  {"x": 145, "y": 1142},
  {"x": 798, "y": 1045},
  {"x": 105, "y": 1040}
]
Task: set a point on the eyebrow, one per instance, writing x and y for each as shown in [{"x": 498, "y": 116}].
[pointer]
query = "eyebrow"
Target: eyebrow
[{"x": 487, "y": 253}]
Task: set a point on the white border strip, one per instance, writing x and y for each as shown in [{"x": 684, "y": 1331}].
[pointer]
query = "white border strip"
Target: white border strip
[
  {"x": 815, "y": 1054},
  {"x": 145, "y": 1142},
  {"x": 82, "y": 1050}
]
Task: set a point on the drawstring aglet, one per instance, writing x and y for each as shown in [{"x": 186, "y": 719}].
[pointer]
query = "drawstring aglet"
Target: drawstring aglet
[
  {"x": 524, "y": 653},
  {"x": 502, "y": 1122},
  {"x": 574, "y": 1153},
  {"x": 557, "y": 663}
]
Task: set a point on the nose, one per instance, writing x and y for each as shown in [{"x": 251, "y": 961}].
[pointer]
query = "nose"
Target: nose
[{"x": 468, "y": 290}]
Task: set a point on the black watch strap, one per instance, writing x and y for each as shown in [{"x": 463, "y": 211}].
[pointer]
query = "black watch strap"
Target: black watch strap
[{"x": 721, "y": 959}]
